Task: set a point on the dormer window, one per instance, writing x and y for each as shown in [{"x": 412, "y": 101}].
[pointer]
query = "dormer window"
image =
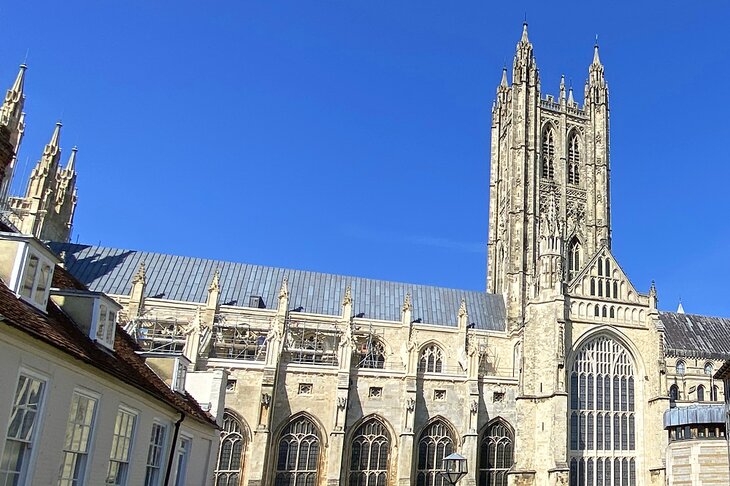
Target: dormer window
[
  {"x": 181, "y": 372},
  {"x": 30, "y": 273},
  {"x": 105, "y": 325},
  {"x": 94, "y": 312}
]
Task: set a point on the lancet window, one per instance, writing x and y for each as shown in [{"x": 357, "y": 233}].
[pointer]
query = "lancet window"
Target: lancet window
[
  {"x": 602, "y": 415},
  {"x": 297, "y": 463},
  {"x": 435, "y": 443},
  {"x": 431, "y": 359},
  {"x": 230, "y": 452},
  {"x": 574, "y": 160},
  {"x": 495, "y": 454},
  {"x": 574, "y": 258},
  {"x": 548, "y": 153},
  {"x": 370, "y": 454}
]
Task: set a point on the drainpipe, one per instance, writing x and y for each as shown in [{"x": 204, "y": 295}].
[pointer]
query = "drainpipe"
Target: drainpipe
[{"x": 173, "y": 449}]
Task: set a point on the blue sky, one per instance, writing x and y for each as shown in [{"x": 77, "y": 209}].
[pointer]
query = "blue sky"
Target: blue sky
[{"x": 353, "y": 137}]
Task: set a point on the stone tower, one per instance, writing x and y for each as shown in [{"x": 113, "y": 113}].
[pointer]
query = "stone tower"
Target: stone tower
[
  {"x": 12, "y": 126},
  {"x": 549, "y": 207},
  {"x": 47, "y": 210}
]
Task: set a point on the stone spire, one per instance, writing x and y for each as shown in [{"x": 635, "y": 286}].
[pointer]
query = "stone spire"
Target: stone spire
[
  {"x": 562, "y": 87},
  {"x": 71, "y": 164},
  {"x": 596, "y": 87},
  {"x": 14, "y": 100},
  {"x": 524, "y": 69},
  {"x": 43, "y": 177}
]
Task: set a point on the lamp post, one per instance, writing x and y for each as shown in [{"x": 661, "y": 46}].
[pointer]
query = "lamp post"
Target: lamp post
[{"x": 454, "y": 468}]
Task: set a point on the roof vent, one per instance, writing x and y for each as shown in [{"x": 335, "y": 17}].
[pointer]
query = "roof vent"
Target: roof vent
[{"x": 257, "y": 302}]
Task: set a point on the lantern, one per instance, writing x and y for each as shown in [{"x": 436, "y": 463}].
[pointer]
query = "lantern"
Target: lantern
[{"x": 454, "y": 467}]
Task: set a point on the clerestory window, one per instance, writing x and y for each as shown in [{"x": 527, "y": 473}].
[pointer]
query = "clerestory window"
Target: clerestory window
[
  {"x": 548, "y": 153},
  {"x": 431, "y": 359},
  {"x": 574, "y": 160}
]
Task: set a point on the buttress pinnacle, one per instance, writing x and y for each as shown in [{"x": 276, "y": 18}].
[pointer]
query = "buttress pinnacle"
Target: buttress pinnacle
[
  {"x": 71, "y": 165},
  {"x": 524, "y": 33},
  {"x": 596, "y": 58},
  {"x": 16, "y": 92}
]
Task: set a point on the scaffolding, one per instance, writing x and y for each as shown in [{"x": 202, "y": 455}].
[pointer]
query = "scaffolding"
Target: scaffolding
[
  {"x": 160, "y": 334},
  {"x": 236, "y": 339},
  {"x": 312, "y": 343},
  {"x": 370, "y": 349}
]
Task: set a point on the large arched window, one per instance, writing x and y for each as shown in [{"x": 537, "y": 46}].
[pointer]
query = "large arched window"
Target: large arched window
[
  {"x": 435, "y": 443},
  {"x": 371, "y": 353},
  {"x": 574, "y": 259},
  {"x": 431, "y": 359},
  {"x": 701, "y": 393},
  {"x": 298, "y": 461},
  {"x": 231, "y": 449},
  {"x": 370, "y": 453},
  {"x": 495, "y": 454},
  {"x": 548, "y": 153},
  {"x": 602, "y": 415},
  {"x": 574, "y": 160}
]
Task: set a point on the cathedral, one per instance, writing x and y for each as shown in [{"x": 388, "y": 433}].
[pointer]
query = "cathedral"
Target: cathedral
[{"x": 562, "y": 372}]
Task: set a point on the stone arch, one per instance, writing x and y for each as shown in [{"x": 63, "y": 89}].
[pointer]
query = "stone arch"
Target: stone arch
[
  {"x": 428, "y": 357},
  {"x": 434, "y": 441},
  {"x": 349, "y": 452},
  {"x": 320, "y": 463},
  {"x": 495, "y": 453},
  {"x": 233, "y": 449},
  {"x": 611, "y": 333}
]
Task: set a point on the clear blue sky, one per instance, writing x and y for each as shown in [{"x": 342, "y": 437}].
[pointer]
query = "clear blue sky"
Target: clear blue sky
[{"x": 352, "y": 136}]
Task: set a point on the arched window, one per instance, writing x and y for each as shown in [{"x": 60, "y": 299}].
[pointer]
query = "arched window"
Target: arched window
[
  {"x": 230, "y": 452},
  {"x": 700, "y": 393},
  {"x": 495, "y": 454},
  {"x": 548, "y": 153},
  {"x": 298, "y": 459},
  {"x": 435, "y": 443},
  {"x": 674, "y": 392},
  {"x": 602, "y": 398},
  {"x": 573, "y": 258},
  {"x": 713, "y": 393},
  {"x": 370, "y": 452},
  {"x": 709, "y": 368},
  {"x": 573, "y": 160},
  {"x": 680, "y": 367},
  {"x": 431, "y": 360},
  {"x": 371, "y": 353}
]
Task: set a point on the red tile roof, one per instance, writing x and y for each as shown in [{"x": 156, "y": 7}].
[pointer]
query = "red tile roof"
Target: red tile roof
[{"x": 124, "y": 364}]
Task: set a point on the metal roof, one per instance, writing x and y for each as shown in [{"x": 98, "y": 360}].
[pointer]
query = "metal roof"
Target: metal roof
[
  {"x": 187, "y": 279},
  {"x": 692, "y": 335},
  {"x": 694, "y": 414}
]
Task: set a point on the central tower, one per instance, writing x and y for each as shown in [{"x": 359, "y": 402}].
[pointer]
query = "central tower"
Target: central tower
[{"x": 549, "y": 205}]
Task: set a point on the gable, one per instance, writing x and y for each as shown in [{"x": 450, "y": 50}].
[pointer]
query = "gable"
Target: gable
[{"x": 602, "y": 278}]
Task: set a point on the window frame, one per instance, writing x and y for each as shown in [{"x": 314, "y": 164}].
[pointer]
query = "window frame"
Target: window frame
[
  {"x": 162, "y": 456},
  {"x": 186, "y": 453},
  {"x": 20, "y": 268},
  {"x": 130, "y": 447},
  {"x": 27, "y": 470},
  {"x": 88, "y": 454},
  {"x": 237, "y": 429},
  {"x": 383, "y": 439}
]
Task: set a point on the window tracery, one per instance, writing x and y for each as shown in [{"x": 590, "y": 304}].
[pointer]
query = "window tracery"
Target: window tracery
[
  {"x": 496, "y": 454},
  {"x": 574, "y": 258},
  {"x": 436, "y": 442},
  {"x": 574, "y": 160},
  {"x": 602, "y": 415},
  {"x": 230, "y": 452},
  {"x": 431, "y": 359},
  {"x": 370, "y": 453},
  {"x": 298, "y": 459}
]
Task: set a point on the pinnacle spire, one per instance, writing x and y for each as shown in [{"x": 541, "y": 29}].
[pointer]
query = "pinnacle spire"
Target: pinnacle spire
[
  {"x": 56, "y": 137},
  {"x": 596, "y": 57},
  {"x": 19, "y": 83},
  {"x": 562, "y": 86},
  {"x": 71, "y": 165},
  {"x": 570, "y": 96},
  {"x": 503, "y": 83},
  {"x": 524, "y": 38}
]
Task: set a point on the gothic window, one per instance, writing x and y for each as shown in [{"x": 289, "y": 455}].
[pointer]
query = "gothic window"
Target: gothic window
[
  {"x": 548, "y": 153},
  {"x": 680, "y": 367},
  {"x": 573, "y": 258},
  {"x": 600, "y": 267},
  {"x": 713, "y": 393},
  {"x": 708, "y": 368},
  {"x": 230, "y": 452},
  {"x": 674, "y": 393},
  {"x": 700, "y": 393},
  {"x": 431, "y": 360},
  {"x": 369, "y": 458},
  {"x": 298, "y": 459},
  {"x": 371, "y": 353},
  {"x": 573, "y": 160},
  {"x": 602, "y": 414},
  {"x": 435, "y": 443},
  {"x": 495, "y": 454}
]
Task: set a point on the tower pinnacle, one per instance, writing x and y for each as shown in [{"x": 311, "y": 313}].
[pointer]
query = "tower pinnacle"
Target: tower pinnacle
[
  {"x": 16, "y": 92},
  {"x": 71, "y": 165},
  {"x": 524, "y": 38},
  {"x": 53, "y": 145}
]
